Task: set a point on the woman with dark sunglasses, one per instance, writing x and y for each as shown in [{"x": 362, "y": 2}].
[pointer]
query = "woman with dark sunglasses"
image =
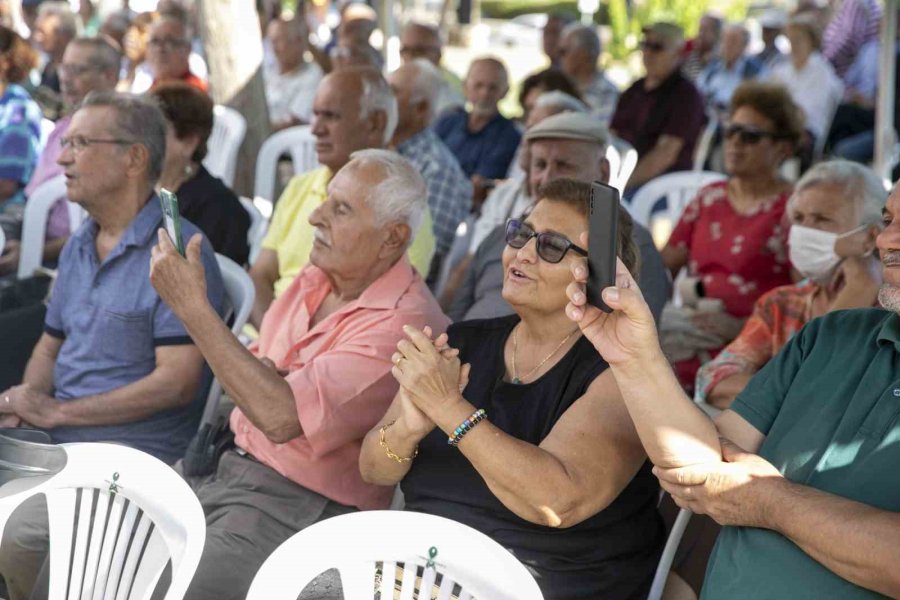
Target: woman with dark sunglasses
[
  {"x": 541, "y": 454},
  {"x": 732, "y": 238}
]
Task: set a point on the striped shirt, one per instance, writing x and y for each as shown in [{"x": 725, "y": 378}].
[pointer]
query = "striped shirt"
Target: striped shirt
[{"x": 854, "y": 23}]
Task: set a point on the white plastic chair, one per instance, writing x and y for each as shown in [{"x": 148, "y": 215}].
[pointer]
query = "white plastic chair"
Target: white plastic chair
[
  {"x": 458, "y": 250},
  {"x": 299, "y": 143},
  {"x": 622, "y": 159},
  {"x": 678, "y": 189},
  {"x": 664, "y": 566},
  {"x": 258, "y": 227},
  {"x": 239, "y": 296},
  {"x": 224, "y": 143},
  {"x": 128, "y": 494},
  {"x": 355, "y": 543},
  {"x": 704, "y": 143},
  {"x": 34, "y": 223}
]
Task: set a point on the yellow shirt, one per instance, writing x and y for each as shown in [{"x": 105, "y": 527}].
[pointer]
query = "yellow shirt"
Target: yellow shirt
[{"x": 291, "y": 236}]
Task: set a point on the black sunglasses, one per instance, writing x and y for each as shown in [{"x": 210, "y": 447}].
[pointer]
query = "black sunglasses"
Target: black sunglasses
[
  {"x": 551, "y": 247},
  {"x": 749, "y": 135},
  {"x": 652, "y": 46}
]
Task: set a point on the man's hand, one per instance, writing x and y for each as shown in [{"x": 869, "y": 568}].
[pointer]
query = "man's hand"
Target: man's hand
[
  {"x": 24, "y": 403},
  {"x": 733, "y": 492},
  {"x": 179, "y": 281}
]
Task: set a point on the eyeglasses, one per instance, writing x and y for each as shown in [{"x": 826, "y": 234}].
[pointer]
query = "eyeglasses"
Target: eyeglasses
[
  {"x": 78, "y": 142},
  {"x": 73, "y": 70},
  {"x": 168, "y": 43},
  {"x": 749, "y": 135},
  {"x": 648, "y": 46},
  {"x": 551, "y": 247}
]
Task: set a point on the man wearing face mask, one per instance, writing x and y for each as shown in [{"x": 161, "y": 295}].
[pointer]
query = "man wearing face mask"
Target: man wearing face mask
[{"x": 835, "y": 213}]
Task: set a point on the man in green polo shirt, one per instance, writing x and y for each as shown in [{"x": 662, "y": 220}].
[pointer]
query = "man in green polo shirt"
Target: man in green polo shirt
[{"x": 802, "y": 470}]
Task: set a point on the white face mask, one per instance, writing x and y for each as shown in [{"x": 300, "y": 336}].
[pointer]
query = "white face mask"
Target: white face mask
[{"x": 812, "y": 251}]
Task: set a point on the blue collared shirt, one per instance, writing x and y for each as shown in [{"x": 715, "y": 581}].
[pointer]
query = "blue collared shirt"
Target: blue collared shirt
[
  {"x": 449, "y": 190},
  {"x": 487, "y": 152},
  {"x": 111, "y": 321},
  {"x": 717, "y": 82}
]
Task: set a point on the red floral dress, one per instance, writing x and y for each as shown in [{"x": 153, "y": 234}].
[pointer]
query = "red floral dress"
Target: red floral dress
[{"x": 739, "y": 257}]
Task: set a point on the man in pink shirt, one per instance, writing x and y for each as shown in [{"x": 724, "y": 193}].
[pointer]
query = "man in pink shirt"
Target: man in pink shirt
[{"x": 318, "y": 378}]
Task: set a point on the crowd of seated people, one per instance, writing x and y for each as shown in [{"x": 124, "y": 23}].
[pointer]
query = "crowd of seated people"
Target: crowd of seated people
[{"x": 391, "y": 347}]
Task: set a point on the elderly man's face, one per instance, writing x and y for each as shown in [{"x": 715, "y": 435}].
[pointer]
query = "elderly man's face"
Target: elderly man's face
[
  {"x": 93, "y": 169},
  {"x": 338, "y": 125},
  {"x": 47, "y": 36},
  {"x": 348, "y": 240},
  {"x": 168, "y": 49},
  {"x": 888, "y": 243},
  {"x": 572, "y": 57},
  {"x": 485, "y": 86},
  {"x": 419, "y": 42},
  {"x": 288, "y": 44},
  {"x": 734, "y": 42},
  {"x": 78, "y": 75},
  {"x": 575, "y": 159},
  {"x": 708, "y": 33},
  {"x": 660, "y": 55},
  {"x": 550, "y": 38}
]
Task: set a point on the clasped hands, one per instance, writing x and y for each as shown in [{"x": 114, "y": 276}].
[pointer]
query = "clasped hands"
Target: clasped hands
[
  {"x": 430, "y": 375},
  {"x": 22, "y": 404}
]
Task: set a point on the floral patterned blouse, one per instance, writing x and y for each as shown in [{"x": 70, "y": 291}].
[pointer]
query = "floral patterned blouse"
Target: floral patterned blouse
[{"x": 738, "y": 257}]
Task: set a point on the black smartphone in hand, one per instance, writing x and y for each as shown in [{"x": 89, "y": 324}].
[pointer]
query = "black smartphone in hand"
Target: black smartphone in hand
[{"x": 602, "y": 227}]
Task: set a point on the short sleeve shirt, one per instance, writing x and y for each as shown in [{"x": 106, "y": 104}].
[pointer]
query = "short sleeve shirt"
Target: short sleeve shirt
[
  {"x": 737, "y": 256},
  {"x": 829, "y": 406},
  {"x": 674, "y": 108},
  {"x": 291, "y": 236},
  {"x": 290, "y": 95},
  {"x": 20, "y": 138},
  {"x": 487, "y": 152},
  {"x": 110, "y": 321}
]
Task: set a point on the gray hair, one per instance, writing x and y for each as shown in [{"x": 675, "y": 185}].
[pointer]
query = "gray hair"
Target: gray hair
[
  {"x": 103, "y": 55},
  {"x": 139, "y": 119},
  {"x": 585, "y": 37},
  {"x": 67, "y": 24},
  {"x": 860, "y": 183},
  {"x": 432, "y": 30},
  {"x": 739, "y": 27},
  {"x": 559, "y": 99},
  {"x": 377, "y": 96},
  {"x": 401, "y": 195},
  {"x": 426, "y": 85}
]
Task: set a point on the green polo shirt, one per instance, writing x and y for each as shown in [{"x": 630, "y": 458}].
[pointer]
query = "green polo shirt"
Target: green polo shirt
[{"x": 828, "y": 404}]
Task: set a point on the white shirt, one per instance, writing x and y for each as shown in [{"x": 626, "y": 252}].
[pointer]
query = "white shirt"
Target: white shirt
[
  {"x": 508, "y": 200},
  {"x": 290, "y": 95},
  {"x": 816, "y": 88}
]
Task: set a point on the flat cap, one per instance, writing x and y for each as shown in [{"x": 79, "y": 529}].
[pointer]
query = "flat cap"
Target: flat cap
[
  {"x": 665, "y": 30},
  {"x": 569, "y": 126}
]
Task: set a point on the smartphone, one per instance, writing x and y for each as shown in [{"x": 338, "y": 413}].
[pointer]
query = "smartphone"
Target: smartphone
[
  {"x": 171, "y": 218},
  {"x": 602, "y": 225}
]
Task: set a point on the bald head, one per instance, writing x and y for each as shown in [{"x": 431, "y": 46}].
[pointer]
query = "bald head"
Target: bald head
[
  {"x": 485, "y": 85},
  {"x": 418, "y": 40}
]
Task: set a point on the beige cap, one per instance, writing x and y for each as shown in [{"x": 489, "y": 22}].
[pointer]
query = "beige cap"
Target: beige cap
[
  {"x": 665, "y": 30},
  {"x": 569, "y": 126}
]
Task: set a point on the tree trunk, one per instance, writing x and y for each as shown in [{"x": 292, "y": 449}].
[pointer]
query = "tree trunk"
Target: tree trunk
[{"x": 233, "y": 44}]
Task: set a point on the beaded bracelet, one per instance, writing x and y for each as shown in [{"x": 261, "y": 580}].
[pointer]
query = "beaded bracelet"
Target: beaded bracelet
[
  {"x": 387, "y": 450},
  {"x": 466, "y": 426}
]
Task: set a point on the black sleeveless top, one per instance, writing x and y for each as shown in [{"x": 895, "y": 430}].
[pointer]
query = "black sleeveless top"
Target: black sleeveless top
[{"x": 610, "y": 555}]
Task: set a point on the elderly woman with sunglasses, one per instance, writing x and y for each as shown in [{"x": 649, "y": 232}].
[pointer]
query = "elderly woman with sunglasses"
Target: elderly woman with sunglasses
[
  {"x": 732, "y": 236},
  {"x": 524, "y": 436}
]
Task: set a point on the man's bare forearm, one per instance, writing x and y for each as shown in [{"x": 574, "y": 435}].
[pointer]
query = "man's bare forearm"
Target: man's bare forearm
[{"x": 853, "y": 540}]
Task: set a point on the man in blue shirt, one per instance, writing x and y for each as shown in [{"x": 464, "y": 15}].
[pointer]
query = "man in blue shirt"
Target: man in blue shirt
[
  {"x": 114, "y": 363},
  {"x": 721, "y": 77},
  {"x": 483, "y": 140}
]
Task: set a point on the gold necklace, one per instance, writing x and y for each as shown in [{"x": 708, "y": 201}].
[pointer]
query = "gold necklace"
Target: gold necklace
[{"x": 515, "y": 377}]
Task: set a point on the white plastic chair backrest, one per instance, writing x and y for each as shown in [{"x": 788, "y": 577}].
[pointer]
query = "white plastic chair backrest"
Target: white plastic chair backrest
[
  {"x": 143, "y": 515},
  {"x": 354, "y": 543},
  {"x": 462, "y": 239},
  {"x": 47, "y": 127},
  {"x": 77, "y": 216},
  {"x": 224, "y": 143},
  {"x": 258, "y": 227},
  {"x": 240, "y": 295},
  {"x": 704, "y": 142},
  {"x": 34, "y": 224},
  {"x": 664, "y": 566},
  {"x": 299, "y": 143},
  {"x": 678, "y": 189},
  {"x": 622, "y": 159},
  {"x": 2, "y": 240}
]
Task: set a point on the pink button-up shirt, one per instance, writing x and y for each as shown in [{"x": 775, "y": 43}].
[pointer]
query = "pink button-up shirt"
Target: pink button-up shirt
[
  {"x": 47, "y": 168},
  {"x": 340, "y": 372}
]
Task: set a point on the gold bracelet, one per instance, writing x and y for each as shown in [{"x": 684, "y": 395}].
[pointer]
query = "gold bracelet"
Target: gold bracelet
[{"x": 387, "y": 450}]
